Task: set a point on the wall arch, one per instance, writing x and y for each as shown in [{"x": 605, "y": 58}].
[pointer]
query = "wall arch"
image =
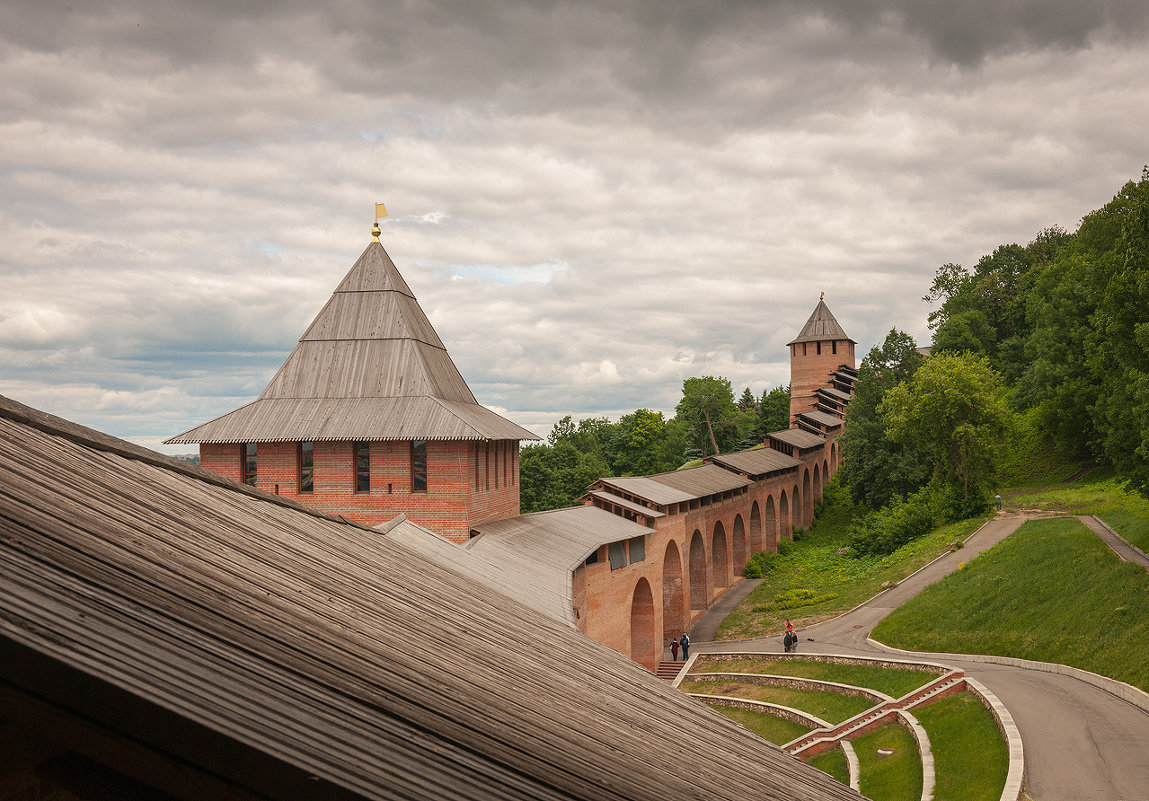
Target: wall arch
[
  {"x": 795, "y": 510},
  {"x": 826, "y": 474},
  {"x": 740, "y": 546},
  {"x": 699, "y": 591},
  {"x": 785, "y": 526},
  {"x": 720, "y": 551},
  {"x": 807, "y": 505},
  {"x": 817, "y": 482},
  {"x": 756, "y": 537},
  {"x": 770, "y": 541},
  {"x": 834, "y": 456},
  {"x": 673, "y": 594},
  {"x": 642, "y": 626}
]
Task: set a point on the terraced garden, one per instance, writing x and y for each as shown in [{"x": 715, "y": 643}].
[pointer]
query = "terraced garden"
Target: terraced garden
[{"x": 839, "y": 715}]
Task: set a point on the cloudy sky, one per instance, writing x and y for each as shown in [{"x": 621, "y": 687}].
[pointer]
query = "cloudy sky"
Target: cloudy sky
[{"x": 591, "y": 200}]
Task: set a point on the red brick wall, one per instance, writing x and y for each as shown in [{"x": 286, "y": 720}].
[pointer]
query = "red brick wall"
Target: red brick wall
[
  {"x": 810, "y": 370},
  {"x": 467, "y": 482}
]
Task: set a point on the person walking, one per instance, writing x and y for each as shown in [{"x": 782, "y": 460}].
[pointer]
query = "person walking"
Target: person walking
[
  {"x": 674, "y": 650},
  {"x": 684, "y": 641}
]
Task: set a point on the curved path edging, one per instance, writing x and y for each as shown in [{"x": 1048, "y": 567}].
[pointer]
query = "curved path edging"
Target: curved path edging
[
  {"x": 1126, "y": 692},
  {"x": 925, "y": 753}
]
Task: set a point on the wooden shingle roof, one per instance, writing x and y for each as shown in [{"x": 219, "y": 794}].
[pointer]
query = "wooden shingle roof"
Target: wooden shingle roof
[
  {"x": 756, "y": 462},
  {"x": 678, "y": 486},
  {"x": 215, "y": 641},
  {"x": 797, "y": 437},
  {"x": 369, "y": 367},
  {"x": 820, "y": 326}
]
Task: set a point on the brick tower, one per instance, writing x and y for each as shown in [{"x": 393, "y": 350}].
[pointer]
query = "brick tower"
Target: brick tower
[
  {"x": 821, "y": 366},
  {"x": 369, "y": 418}
]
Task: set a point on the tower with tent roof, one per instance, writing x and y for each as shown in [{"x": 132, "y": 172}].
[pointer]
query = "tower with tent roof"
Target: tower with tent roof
[
  {"x": 822, "y": 369},
  {"x": 369, "y": 418}
]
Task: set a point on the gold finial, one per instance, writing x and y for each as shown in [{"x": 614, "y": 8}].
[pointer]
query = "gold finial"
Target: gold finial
[
  {"x": 380, "y": 211},
  {"x": 822, "y": 296}
]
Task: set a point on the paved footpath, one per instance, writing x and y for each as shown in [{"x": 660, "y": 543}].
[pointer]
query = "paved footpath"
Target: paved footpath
[{"x": 1081, "y": 743}]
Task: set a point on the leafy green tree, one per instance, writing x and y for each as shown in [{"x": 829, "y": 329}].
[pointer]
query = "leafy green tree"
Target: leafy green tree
[
  {"x": 707, "y": 408},
  {"x": 774, "y": 410},
  {"x": 639, "y": 448},
  {"x": 747, "y": 402},
  {"x": 954, "y": 409},
  {"x": 875, "y": 468}
]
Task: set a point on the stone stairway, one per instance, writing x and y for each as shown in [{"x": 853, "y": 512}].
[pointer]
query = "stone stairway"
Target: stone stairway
[
  {"x": 669, "y": 670},
  {"x": 821, "y": 740}
]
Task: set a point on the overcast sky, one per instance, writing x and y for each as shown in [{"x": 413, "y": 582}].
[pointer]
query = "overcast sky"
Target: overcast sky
[{"x": 591, "y": 200}]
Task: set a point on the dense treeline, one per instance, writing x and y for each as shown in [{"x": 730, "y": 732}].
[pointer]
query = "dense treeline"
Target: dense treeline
[
  {"x": 1057, "y": 329},
  {"x": 707, "y": 420}
]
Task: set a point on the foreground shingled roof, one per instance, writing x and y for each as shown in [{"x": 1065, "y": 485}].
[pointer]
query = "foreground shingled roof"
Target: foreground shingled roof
[
  {"x": 216, "y": 641},
  {"x": 369, "y": 367}
]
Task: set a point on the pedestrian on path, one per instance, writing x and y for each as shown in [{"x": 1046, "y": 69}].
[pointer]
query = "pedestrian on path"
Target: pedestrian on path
[
  {"x": 674, "y": 650},
  {"x": 684, "y": 641},
  {"x": 997, "y": 502}
]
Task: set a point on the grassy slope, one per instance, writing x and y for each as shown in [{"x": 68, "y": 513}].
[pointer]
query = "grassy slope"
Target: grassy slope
[
  {"x": 834, "y": 763},
  {"x": 894, "y": 682},
  {"x": 829, "y": 706},
  {"x": 815, "y": 564},
  {"x": 971, "y": 759},
  {"x": 896, "y": 777},
  {"x": 770, "y": 728},
  {"x": 1051, "y": 592}
]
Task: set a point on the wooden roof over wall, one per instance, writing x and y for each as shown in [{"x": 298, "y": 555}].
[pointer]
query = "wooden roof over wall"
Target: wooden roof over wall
[
  {"x": 756, "y": 462},
  {"x": 216, "y": 641},
  {"x": 369, "y": 367},
  {"x": 799, "y": 438}
]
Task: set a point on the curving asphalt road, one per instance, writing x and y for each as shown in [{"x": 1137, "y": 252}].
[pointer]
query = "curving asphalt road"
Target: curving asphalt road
[{"x": 1081, "y": 743}]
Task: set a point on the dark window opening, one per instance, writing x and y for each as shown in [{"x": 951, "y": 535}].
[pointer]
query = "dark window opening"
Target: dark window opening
[
  {"x": 593, "y": 558},
  {"x": 362, "y": 466},
  {"x": 803, "y": 348},
  {"x": 306, "y": 466},
  {"x": 249, "y": 463},
  {"x": 419, "y": 465},
  {"x": 617, "y": 554},
  {"x": 637, "y": 549},
  {"x": 819, "y": 348},
  {"x": 834, "y": 346}
]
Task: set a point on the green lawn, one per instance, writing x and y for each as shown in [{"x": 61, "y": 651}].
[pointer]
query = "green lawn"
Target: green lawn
[
  {"x": 1098, "y": 493},
  {"x": 895, "y": 777},
  {"x": 1052, "y": 592},
  {"x": 817, "y": 562},
  {"x": 769, "y": 727},
  {"x": 894, "y": 682},
  {"x": 834, "y": 763},
  {"x": 829, "y": 706},
  {"x": 971, "y": 758}
]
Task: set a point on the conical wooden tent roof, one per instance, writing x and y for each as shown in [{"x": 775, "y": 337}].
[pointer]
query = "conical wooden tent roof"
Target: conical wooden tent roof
[
  {"x": 820, "y": 327},
  {"x": 369, "y": 367}
]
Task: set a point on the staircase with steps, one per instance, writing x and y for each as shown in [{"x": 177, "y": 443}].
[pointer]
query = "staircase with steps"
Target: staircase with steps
[
  {"x": 669, "y": 670},
  {"x": 821, "y": 740}
]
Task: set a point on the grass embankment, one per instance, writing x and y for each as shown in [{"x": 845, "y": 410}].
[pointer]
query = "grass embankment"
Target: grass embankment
[
  {"x": 894, "y": 682},
  {"x": 770, "y": 728},
  {"x": 834, "y": 763},
  {"x": 829, "y": 706},
  {"x": 1051, "y": 592},
  {"x": 971, "y": 758},
  {"x": 889, "y": 777},
  {"x": 819, "y": 562}
]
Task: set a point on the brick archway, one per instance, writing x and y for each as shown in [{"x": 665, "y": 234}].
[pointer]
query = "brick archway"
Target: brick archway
[
  {"x": 817, "y": 482},
  {"x": 770, "y": 540},
  {"x": 826, "y": 474},
  {"x": 795, "y": 511},
  {"x": 673, "y": 594},
  {"x": 756, "y": 533},
  {"x": 740, "y": 547},
  {"x": 807, "y": 505},
  {"x": 699, "y": 590},
  {"x": 720, "y": 549},
  {"x": 642, "y": 626},
  {"x": 785, "y": 525}
]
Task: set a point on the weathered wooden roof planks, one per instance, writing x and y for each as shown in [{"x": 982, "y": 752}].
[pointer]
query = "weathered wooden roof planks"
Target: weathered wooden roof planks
[{"x": 215, "y": 641}]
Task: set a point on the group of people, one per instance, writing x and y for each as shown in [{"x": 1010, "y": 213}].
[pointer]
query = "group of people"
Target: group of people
[
  {"x": 682, "y": 642},
  {"x": 790, "y": 641}
]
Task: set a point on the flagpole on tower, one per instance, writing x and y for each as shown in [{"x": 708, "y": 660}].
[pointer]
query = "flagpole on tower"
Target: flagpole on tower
[{"x": 380, "y": 211}]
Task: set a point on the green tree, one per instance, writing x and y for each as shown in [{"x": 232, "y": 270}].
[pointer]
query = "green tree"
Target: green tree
[
  {"x": 875, "y": 468},
  {"x": 774, "y": 410},
  {"x": 639, "y": 448},
  {"x": 707, "y": 408},
  {"x": 954, "y": 409},
  {"x": 747, "y": 402}
]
